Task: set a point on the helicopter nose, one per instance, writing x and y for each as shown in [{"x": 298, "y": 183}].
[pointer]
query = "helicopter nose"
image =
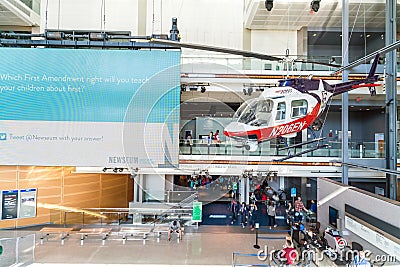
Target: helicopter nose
[{"x": 233, "y": 128}]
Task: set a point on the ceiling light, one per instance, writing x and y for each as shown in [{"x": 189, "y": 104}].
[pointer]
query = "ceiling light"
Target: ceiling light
[
  {"x": 314, "y": 34},
  {"x": 269, "y": 4},
  {"x": 315, "y": 5},
  {"x": 368, "y": 35}
]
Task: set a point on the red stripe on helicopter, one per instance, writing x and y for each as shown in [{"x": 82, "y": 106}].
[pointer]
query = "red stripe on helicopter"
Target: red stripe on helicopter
[
  {"x": 365, "y": 85},
  {"x": 279, "y": 130}
]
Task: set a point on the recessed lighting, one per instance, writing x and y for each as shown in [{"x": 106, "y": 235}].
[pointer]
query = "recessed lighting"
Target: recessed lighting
[
  {"x": 314, "y": 34},
  {"x": 361, "y": 35},
  {"x": 352, "y": 106},
  {"x": 368, "y": 35},
  {"x": 367, "y": 109}
]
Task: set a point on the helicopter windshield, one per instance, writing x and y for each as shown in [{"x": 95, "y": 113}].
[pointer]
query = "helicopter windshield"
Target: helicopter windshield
[
  {"x": 255, "y": 112},
  {"x": 246, "y": 112},
  {"x": 264, "y": 109}
]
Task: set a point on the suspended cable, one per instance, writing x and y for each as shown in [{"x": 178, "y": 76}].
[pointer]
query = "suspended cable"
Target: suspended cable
[
  {"x": 161, "y": 22},
  {"x": 59, "y": 11},
  {"x": 47, "y": 10},
  {"x": 153, "y": 20},
  {"x": 346, "y": 52}
]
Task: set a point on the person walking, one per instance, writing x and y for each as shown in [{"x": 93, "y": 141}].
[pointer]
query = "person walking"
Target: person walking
[
  {"x": 243, "y": 212},
  {"x": 271, "y": 214},
  {"x": 252, "y": 215},
  {"x": 233, "y": 208}
]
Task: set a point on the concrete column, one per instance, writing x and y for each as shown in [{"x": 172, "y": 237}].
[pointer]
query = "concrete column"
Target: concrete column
[
  {"x": 391, "y": 101},
  {"x": 345, "y": 96},
  {"x": 139, "y": 187},
  {"x": 302, "y": 39},
  {"x": 142, "y": 17},
  {"x": 303, "y": 189},
  {"x": 246, "y": 46}
]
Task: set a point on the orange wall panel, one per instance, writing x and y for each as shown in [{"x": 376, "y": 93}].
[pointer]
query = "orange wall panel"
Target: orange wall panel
[{"x": 59, "y": 188}]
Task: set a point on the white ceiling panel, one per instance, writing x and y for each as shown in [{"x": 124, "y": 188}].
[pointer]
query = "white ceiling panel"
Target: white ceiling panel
[{"x": 295, "y": 14}]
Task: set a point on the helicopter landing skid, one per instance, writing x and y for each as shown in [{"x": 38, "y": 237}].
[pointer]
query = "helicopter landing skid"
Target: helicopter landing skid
[
  {"x": 249, "y": 145},
  {"x": 302, "y": 152},
  {"x": 304, "y": 143}
]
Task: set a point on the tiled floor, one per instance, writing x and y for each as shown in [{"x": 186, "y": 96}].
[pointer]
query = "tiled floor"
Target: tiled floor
[{"x": 209, "y": 245}]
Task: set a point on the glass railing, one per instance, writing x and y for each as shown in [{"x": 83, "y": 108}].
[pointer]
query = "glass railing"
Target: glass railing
[
  {"x": 17, "y": 249},
  {"x": 227, "y": 63},
  {"x": 120, "y": 216},
  {"x": 357, "y": 149},
  {"x": 166, "y": 196}
]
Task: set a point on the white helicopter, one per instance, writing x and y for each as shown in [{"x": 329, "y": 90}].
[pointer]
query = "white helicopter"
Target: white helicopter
[
  {"x": 285, "y": 110},
  {"x": 289, "y": 108}
]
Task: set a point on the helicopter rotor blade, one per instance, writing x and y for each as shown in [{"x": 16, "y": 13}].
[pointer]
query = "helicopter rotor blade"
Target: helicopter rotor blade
[
  {"x": 216, "y": 49},
  {"x": 317, "y": 63},
  {"x": 232, "y": 51}
]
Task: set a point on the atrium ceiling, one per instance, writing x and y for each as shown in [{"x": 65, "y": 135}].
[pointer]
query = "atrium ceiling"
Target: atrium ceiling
[{"x": 295, "y": 14}]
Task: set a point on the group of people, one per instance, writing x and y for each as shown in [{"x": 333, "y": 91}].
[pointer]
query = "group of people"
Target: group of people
[
  {"x": 247, "y": 214},
  {"x": 213, "y": 137},
  {"x": 298, "y": 211}
]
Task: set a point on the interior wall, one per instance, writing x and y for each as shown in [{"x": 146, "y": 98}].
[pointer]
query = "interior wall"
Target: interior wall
[
  {"x": 361, "y": 129},
  {"x": 358, "y": 199},
  {"x": 274, "y": 42},
  {"x": 120, "y": 15},
  {"x": 59, "y": 188},
  {"x": 217, "y": 23},
  {"x": 154, "y": 186}
]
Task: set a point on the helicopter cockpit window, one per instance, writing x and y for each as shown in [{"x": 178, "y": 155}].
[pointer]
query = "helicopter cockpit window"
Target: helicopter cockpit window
[
  {"x": 299, "y": 108},
  {"x": 264, "y": 109},
  {"x": 265, "y": 106},
  {"x": 280, "y": 111},
  {"x": 285, "y": 83},
  {"x": 246, "y": 112}
]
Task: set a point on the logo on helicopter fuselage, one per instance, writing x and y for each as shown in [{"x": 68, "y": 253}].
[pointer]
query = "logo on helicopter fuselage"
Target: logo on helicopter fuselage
[
  {"x": 284, "y": 91},
  {"x": 288, "y": 128}
]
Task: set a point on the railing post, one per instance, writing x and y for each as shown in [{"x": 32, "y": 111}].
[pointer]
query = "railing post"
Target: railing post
[{"x": 83, "y": 219}]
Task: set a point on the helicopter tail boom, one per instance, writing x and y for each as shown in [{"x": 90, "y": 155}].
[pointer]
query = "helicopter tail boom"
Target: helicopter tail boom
[{"x": 369, "y": 82}]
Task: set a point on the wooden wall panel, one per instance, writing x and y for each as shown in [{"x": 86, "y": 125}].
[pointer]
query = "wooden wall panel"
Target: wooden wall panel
[
  {"x": 81, "y": 189},
  {"x": 60, "y": 187},
  {"x": 80, "y": 178},
  {"x": 8, "y": 178},
  {"x": 114, "y": 191}
]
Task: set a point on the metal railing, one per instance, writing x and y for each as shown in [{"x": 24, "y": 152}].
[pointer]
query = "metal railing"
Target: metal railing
[
  {"x": 121, "y": 216},
  {"x": 17, "y": 251},
  {"x": 226, "y": 63},
  {"x": 357, "y": 149},
  {"x": 169, "y": 196}
]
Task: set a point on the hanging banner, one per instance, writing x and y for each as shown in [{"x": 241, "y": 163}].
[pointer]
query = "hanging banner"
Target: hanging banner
[
  {"x": 27, "y": 207},
  {"x": 89, "y": 107},
  {"x": 9, "y": 204},
  {"x": 197, "y": 211}
]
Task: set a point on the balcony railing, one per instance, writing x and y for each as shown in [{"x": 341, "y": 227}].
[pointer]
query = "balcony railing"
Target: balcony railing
[
  {"x": 227, "y": 63},
  {"x": 357, "y": 149}
]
